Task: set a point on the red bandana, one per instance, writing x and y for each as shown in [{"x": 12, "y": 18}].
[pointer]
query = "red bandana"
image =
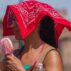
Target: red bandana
[{"x": 28, "y": 15}]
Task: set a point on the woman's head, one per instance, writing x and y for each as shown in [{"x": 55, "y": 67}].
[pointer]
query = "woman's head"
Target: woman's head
[{"x": 44, "y": 30}]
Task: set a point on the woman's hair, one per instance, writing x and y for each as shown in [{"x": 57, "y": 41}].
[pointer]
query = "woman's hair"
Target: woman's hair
[{"x": 46, "y": 31}]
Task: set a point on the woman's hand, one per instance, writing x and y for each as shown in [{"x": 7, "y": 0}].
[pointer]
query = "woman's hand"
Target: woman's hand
[{"x": 13, "y": 63}]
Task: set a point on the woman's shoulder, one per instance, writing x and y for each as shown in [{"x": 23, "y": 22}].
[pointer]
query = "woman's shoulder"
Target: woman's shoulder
[
  {"x": 51, "y": 51},
  {"x": 47, "y": 49},
  {"x": 53, "y": 59}
]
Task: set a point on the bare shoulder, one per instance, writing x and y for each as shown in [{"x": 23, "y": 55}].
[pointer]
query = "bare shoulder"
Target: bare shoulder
[{"x": 53, "y": 61}]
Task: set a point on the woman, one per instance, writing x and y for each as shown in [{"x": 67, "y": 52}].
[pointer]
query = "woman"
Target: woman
[
  {"x": 35, "y": 48},
  {"x": 30, "y": 22}
]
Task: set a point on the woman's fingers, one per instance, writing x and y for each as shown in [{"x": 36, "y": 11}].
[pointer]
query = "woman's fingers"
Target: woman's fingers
[
  {"x": 9, "y": 62},
  {"x": 11, "y": 67},
  {"x": 10, "y": 57},
  {"x": 13, "y": 61}
]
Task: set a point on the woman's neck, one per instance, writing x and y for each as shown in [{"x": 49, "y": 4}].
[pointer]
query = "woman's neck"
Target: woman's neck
[{"x": 33, "y": 42}]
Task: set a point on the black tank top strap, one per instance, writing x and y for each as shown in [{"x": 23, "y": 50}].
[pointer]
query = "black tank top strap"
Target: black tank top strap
[{"x": 46, "y": 52}]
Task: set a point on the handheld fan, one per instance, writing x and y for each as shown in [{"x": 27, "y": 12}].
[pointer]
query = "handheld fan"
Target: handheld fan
[{"x": 7, "y": 46}]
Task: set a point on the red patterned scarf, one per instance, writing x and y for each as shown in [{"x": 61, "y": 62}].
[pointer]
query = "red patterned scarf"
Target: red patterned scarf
[{"x": 28, "y": 15}]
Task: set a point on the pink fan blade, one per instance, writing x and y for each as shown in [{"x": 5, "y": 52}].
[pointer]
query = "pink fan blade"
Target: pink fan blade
[{"x": 7, "y": 46}]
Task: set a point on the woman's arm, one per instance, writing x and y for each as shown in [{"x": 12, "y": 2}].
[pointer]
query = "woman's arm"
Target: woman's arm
[{"x": 53, "y": 61}]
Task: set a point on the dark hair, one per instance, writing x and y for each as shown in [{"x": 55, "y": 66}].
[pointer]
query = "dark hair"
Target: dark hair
[{"x": 46, "y": 30}]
